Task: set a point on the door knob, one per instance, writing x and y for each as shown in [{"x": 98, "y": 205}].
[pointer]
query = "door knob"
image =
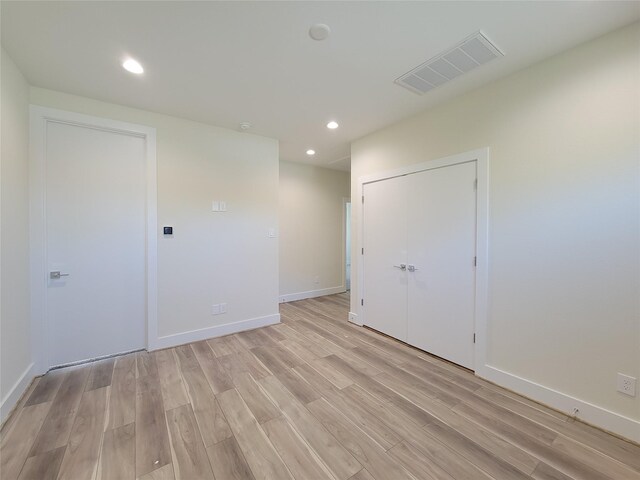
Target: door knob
[
  {"x": 412, "y": 268},
  {"x": 402, "y": 266},
  {"x": 56, "y": 275}
]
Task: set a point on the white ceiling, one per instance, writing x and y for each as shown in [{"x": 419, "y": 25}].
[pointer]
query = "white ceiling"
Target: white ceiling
[{"x": 226, "y": 62}]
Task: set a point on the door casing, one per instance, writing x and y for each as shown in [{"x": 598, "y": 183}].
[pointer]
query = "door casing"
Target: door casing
[{"x": 39, "y": 118}]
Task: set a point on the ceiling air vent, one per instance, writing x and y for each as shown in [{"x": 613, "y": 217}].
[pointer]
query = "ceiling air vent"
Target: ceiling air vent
[{"x": 473, "y": 51}]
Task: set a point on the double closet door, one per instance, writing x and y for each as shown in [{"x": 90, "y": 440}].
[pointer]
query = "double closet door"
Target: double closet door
[{"x": 419, "y": 259}]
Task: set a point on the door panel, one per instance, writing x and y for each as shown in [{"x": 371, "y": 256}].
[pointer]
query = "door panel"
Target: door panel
[
  {"x": 441, "y": 244},
  {"x": 385, "y": 245},
  {"x": 95, "y": 230}
]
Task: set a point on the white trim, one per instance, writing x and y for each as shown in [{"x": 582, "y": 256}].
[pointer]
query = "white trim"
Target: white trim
[
  {"x": 428, "y": 165},
  {"x": 481, "y": 157},
  {"x": 39, "y": 117},
  {"x": 592, "y": 414},
  {"x": 293, "y": 297},
  {"x": 216, "y": 331},
  {"x": 12, "y": 398},
  {"x": 353, "y": 318},
  {"x": 345, "y": 201}
]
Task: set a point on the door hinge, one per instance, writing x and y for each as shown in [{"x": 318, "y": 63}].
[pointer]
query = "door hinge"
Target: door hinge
[
  {"x": 362, "y": 198},
  {"x": 475, "y": 261},
  {"x": 475, "y": 184},
  {"x": 474, "y": 338},
  {"x": 362, "y": 301},
  {"x": 362, "y": 250}
]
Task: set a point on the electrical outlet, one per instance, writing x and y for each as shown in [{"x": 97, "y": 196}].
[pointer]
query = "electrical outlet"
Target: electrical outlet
[{"x": 626, "y": 385}]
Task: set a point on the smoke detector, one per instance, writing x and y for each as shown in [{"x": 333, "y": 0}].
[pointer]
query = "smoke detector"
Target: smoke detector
[{"x": 319, "y": 31}]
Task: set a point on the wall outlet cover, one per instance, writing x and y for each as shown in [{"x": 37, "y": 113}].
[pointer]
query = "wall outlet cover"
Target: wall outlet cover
[{"x": 627, "y": 385}]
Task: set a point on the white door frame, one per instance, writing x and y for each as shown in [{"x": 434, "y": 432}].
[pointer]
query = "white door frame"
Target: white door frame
[
  {"x": 481, "y": 156},
  {"x": 39, "y": 118},
  {"x": 345, "y": 201}
]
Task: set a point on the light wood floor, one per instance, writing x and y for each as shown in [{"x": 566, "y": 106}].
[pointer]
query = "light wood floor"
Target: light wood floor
[{"x": 312, "y": 398}]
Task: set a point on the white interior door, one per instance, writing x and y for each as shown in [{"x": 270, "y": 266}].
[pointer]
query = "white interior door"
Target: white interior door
[
  {"x": 95, "y": 238},
  {"x": 385, "y": 251},
  {"x": 441, "y": 244}
]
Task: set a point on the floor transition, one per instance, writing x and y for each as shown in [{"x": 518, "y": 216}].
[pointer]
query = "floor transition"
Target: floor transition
[{"x": 312, "y": 398}]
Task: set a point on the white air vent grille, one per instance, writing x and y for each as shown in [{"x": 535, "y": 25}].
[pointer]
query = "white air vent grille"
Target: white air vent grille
[{"x": 474, "y": 51}]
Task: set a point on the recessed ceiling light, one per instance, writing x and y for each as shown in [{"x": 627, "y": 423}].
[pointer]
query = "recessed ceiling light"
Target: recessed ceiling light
[
  {"x": 332, "y": 125},
  {"x": 319, "y": 31},
  {"x": 311, "y": 152},
  {"x": 131, "y": 65}
]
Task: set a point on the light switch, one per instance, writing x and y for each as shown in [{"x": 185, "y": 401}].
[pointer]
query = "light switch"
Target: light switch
[
  {"x": 219, "y": 206},
  {"x": 272, "y": 233}
]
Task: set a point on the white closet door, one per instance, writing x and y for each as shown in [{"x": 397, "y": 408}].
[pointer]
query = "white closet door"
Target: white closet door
[
  {"x": 385, "y": 248},
  {"x": 441, "y": 244}
]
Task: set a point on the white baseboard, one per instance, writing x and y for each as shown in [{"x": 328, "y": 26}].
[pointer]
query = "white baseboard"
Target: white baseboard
[
  {"x": 211, "y": 332},
  {"x": 13, "y": 396},
  {"x": 292, "y": 297},
  {"x": 353, "y": 318},
  {"x": 597, "y": 416}
]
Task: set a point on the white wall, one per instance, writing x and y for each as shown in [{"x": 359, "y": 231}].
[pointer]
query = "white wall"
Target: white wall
[
  {"x": 15, "y": 326},
  {"x": 212, "y": 257},
  {"x": 564, "y": 218},
  {"x": 311, "y": 230}
]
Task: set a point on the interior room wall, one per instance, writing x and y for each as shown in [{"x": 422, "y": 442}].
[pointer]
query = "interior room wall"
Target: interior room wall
[
  {"x": 564, "y": 219},
  {"x": 212, "y": 257},
  {"x": 311, "y": 204},
  {"x": 15, "y": 325}
]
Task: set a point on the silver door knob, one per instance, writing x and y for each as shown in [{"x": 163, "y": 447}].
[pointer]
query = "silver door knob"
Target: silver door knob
[
  {"x": 402, "y": 266},
  {"x": 57, "y": 275},
  {"x": 412, "y": 268}
]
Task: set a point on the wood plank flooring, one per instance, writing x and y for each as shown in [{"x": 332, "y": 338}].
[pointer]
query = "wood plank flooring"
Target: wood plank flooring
[{"x": 311, "y": 398}]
